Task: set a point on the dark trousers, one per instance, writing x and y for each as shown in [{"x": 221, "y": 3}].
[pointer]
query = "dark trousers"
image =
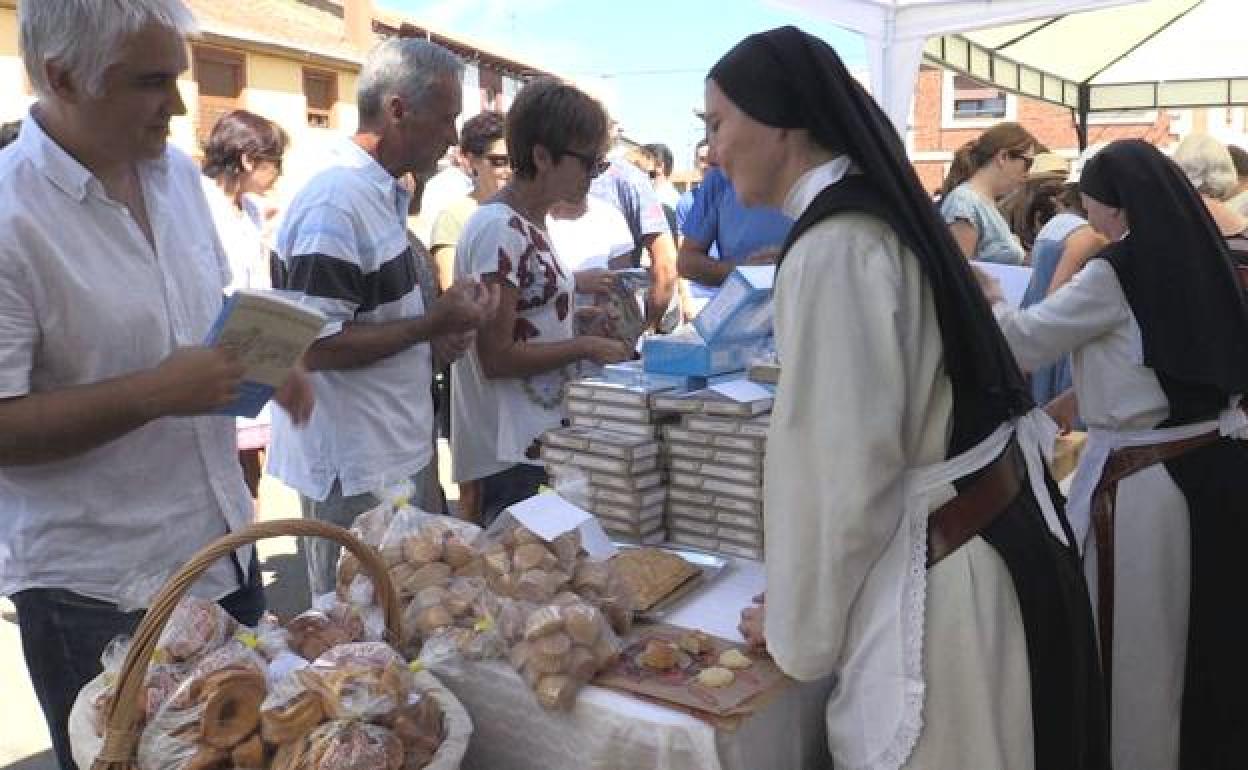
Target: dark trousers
[
  {"x": 507, "y": 487},
  {"x": 64, "y": 634}
]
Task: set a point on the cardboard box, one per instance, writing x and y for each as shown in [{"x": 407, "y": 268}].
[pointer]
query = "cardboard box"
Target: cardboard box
[{"x": 741, "y": 309}]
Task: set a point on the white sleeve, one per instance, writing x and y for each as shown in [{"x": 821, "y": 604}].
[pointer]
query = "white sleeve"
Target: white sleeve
[
  {"x": 1090, "y": 305},
  {"x": 835, "y": 454}
]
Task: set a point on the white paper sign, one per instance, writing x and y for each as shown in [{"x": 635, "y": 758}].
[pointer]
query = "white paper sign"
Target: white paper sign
[
  {"x": 548, "y": 515},
  {"x": 742, "y": 391},
  {"x": 1013, "y": 278}
]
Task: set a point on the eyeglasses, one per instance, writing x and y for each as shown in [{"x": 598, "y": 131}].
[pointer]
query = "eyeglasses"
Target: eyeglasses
[
  {"x": 593, "y": 166},
  {"x": 498, "y": 161},
  {"x": 1027, "y": 160},
  {"x": 653, "y": 174}
]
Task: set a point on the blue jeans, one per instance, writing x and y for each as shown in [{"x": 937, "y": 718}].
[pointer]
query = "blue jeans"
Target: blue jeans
[
  {"x": 64, "y": 634},
  {"x": 507, "y": 487}
]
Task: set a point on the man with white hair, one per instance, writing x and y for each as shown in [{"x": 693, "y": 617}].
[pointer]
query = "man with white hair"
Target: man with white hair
[
  {"x": 113, "y": 464},
  {"x": 344, "y": 248},
  {"x": 1211, "y": 170}
]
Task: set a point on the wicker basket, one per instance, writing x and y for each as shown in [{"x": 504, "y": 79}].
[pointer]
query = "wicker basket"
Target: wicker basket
[{"x": 122, "y": 734}]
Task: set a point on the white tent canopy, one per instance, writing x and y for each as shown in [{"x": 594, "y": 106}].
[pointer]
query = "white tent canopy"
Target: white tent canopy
[
  {"x": 896, "y": 32},
  {"x": 1154, "y": 55}
]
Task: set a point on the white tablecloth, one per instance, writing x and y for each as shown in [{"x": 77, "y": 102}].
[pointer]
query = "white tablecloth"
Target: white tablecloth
[{"x": 608, "y": 730}]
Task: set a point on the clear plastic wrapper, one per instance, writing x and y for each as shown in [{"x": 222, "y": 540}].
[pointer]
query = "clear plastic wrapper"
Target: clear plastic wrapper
[
  {"x": 457, "y": 620},
  {"x": 161, "y": 681},
  {"x": 314, "y": 632},
  {"x": 214, "y": 714},
  {"x": 564, "y": 645},
  {"x": 196, "y": 627}
]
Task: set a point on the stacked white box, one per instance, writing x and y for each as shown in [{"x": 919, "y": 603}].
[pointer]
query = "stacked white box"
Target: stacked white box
[
  {"x": 608, "y": 461},
  {"x": 715, "y": 470}
]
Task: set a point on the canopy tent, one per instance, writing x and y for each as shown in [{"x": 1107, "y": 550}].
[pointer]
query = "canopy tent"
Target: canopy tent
[
  {"x": 1157, "y": 54},
  {"x": 897, "y": 31}
]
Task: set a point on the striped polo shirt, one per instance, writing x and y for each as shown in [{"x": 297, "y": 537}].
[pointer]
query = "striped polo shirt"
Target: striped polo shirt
[{"x": 344, "y": 249}]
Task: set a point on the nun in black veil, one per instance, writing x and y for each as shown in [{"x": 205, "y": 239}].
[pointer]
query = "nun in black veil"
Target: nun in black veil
[
  {"x": 915, "y": 546},
  {"x": 1158, "y": 331}
]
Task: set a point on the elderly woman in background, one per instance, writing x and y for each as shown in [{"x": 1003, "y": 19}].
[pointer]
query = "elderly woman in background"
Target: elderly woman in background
[
  {"x": 508, "y": 390},
  {"x": 242, "y": 161},
  {"x": 1209, "y": 167},
  {"x": 985, "y": 170},
  {"x": 1159, "y": 337},
  {"x": 956, "y": 621}
]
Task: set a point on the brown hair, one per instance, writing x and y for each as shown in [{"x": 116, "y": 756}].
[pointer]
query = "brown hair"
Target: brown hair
[
  {"x": 240, "y": 133},
  {"x": 557, "y": 116},
  {"x": 977, "y": 153}
]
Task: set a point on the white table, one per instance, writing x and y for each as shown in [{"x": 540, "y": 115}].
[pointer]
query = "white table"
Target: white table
[{"x": 609, "y": 730}]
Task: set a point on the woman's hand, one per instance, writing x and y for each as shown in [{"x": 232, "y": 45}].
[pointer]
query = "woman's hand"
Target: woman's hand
[
  {"x": 605, "y": 350},
  {"x": 597, "y": 280}
]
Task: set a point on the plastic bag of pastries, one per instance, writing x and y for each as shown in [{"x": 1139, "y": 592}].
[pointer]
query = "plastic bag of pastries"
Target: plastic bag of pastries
[
  {"x": 330, "y": 623},
  {"x": 563, "y": 646},
  {"x": 423, "y": 550},
  {"x": 196, "y": 627},
  {"x": 461, "y": 616},
  {"x": 213, "y": 719},
  {"x": 160, "y": 682}
]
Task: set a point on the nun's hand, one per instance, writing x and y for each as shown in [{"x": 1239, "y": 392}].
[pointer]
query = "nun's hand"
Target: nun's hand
[
  {"x": 751, "y": 626},
  {"x": 988, "y": 284},
  {"x": 1064, "y": 410}
]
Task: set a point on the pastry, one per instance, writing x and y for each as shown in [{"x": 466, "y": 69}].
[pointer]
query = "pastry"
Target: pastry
[
  {"x": 432, "y": 618},
  {"x": 428, "y": 575},
  {"x": 591, "y": 576},
  {"x": 696, "y": 643},
  {"x": 208, "y": 758},
  {"x": 293, "y": 720},
  {"x": 458, "y": 554},
  {"x": 581, "y": 664},
  {"x": 532, "y": 556},
  {"x": 583, "y": 623},
  {"x": 556, "y": 691},
  {"x": 658, "y": 655},
  {"x": 249, "y": 755},
  {"x": 231, "y": 707},
  {"x": 716, "y": 676},
  {"x": 734, "y": 659},
  {"x": 542, "y": 622},
  {"x": 651, "y": 574},
  {"x": 567, "y": 547},
  {"x": 553, "y": 644},
  {"x": 422, "y": 549}
]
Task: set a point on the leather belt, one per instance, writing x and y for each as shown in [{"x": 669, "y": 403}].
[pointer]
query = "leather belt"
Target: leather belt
[
  {"x": 1120, "y": 464},
  {"x": 951, "y": 525}
]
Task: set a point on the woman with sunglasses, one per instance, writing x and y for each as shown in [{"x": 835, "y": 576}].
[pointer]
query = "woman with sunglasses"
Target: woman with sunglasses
[
  {"x": 484, "y": 150},
  {"x": 508, "y": 389},
  {"x": 984, "y": 171},
  {"x": 243, "y": 160}
]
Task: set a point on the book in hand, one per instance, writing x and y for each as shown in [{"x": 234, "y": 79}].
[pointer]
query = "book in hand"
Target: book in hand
[{"x": 268, "y": 333}]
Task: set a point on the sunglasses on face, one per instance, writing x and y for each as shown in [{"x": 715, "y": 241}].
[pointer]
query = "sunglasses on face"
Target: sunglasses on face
[
  {"x": 593, "y": 166},
  {"x": 1027, "y": 160},
  {"x": 498, "y": 161}
]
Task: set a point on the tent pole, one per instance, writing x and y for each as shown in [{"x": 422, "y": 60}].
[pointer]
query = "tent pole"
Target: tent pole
[{"x": 1081, "y": 116}]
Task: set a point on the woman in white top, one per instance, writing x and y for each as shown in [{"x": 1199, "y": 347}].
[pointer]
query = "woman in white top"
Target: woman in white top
[
  {"x": 242, "y": 161},
  {"x": 983, "y": 172},
  {"x": 508, "y": 390},
  {"x": 1158, "y": 332}
]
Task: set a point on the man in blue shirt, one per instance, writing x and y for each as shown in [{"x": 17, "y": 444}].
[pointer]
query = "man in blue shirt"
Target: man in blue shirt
[{"x": 721, "y": 233}]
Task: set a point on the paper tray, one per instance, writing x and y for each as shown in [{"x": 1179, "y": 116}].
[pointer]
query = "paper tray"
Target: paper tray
[{"x": 711, "y": 565}]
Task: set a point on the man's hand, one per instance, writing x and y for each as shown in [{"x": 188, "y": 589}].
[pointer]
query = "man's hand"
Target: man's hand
[
  {"x": 767, "y": 256},
  {"x": 751, "y": 626},
  {"x": 194, "y": 381},
  {"x": 449, "y": 348},
  {"x": 605, "y": 350},
  {"x": 597, "y": 280},
  {"x": 464, "y": 307},
  {"x": 296, "y": 395}
]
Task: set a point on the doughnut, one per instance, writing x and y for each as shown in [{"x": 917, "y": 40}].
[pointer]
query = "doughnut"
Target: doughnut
[{"x": 231, "y": 707}]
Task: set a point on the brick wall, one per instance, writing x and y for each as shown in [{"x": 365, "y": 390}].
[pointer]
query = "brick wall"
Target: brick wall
[{"x": 933, "y": 144}]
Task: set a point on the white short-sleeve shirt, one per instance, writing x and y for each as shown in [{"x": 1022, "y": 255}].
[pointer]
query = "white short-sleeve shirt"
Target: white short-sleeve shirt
[
  {"x": 84, "y": 298},
  {"x": 343, "y": 243},
  {"x": 494, "y": 422}
]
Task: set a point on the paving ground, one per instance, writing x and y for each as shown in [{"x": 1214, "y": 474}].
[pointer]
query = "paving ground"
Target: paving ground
[{"x": 24, "y": 743}]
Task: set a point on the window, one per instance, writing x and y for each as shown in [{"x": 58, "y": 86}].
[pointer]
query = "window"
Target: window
[
  {"x": 974, "y": 101},
  {"x": 221, "y": 78},
  {"x": 321, "y": 91}
]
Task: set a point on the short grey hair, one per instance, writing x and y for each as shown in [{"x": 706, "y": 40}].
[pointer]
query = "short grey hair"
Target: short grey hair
[
  {"x": 1208, "y": 165},
  {"x": 407, "y": 67},
  {"x": 86, "y": 36}
]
